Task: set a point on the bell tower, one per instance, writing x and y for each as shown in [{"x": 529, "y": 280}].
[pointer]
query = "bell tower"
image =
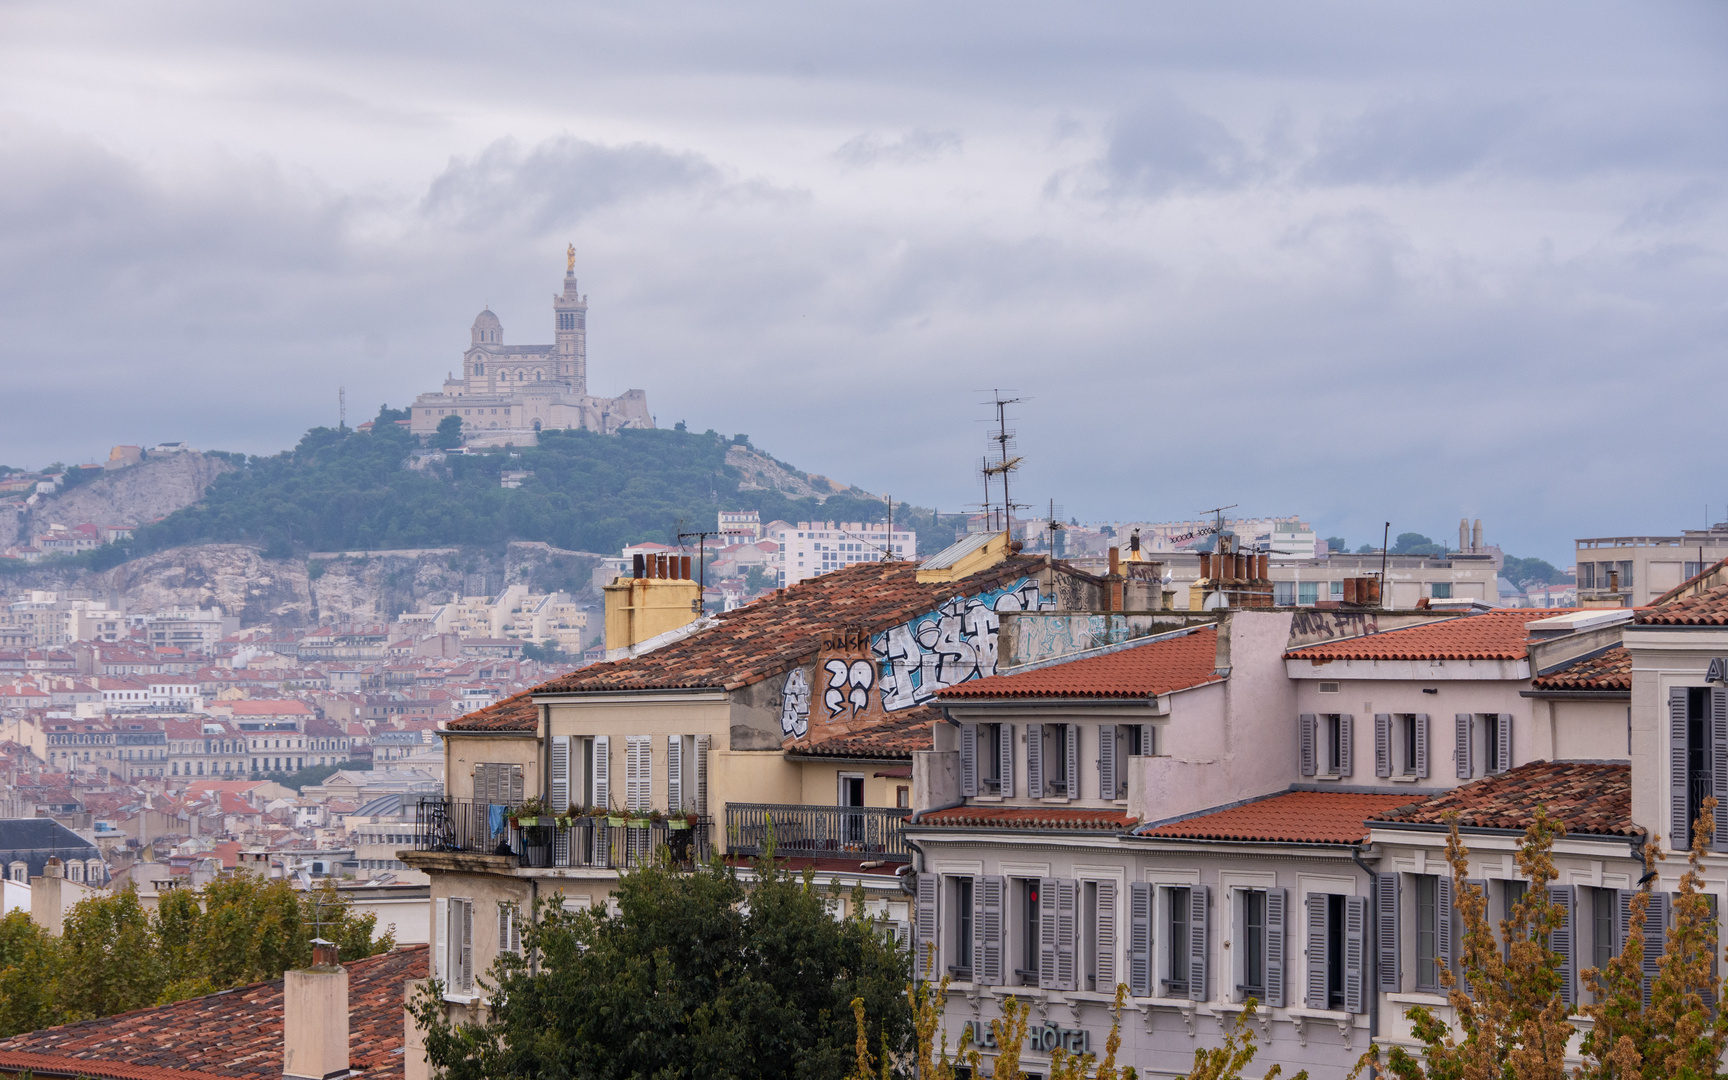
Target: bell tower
[{"x": 570, "y": 316}]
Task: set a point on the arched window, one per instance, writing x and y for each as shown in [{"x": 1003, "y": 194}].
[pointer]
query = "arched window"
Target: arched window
[
  {"x": 75, "y": 872},
  {"x": 96, "y": 872},
  {"x": 537, "y": 375},
  {"x": 18, "y": 871}
]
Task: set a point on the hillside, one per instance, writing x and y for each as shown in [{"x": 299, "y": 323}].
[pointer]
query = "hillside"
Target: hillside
[
  {"x": 141, "y": 493},
  {"x": 342, "y": 490}
]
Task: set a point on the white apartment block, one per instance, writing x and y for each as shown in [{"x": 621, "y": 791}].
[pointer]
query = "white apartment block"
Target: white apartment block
[
  {"x": 1632, "y": 571},
  {"x": 540, "y": 618},
  {"x": 811, "y": 548}
]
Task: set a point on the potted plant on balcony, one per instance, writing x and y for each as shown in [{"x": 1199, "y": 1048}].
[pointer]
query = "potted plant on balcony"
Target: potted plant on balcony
[
  {"x": 681, "y": 819},
  {"x": 529, "y": 813},
  {"x": 615, "y": 817},
  {"x": 642, "y": 819}
]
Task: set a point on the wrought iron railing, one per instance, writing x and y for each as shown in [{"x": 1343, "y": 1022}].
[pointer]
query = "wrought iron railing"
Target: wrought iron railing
[
  {"x": 465, "y": 825},
  {"x": 866, "y": 832}
]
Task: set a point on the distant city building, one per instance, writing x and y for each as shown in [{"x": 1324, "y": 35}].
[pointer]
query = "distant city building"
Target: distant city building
[
  {"x": 509, "y": 393},
  {"x": 810, "y": 548},
  {"x": 1632, "y": 571}
]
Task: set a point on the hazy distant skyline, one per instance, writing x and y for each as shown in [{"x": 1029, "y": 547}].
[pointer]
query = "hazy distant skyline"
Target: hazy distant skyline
[{"x": 1349, "y": 260}]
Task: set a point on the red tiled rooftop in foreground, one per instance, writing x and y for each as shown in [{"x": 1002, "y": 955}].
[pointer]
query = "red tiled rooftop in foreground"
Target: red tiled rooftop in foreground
[
  {"x": 235, "y": 1033},
  {"x": 515, "y": 713},
  {"x": 1294, "y": 817},
  {"x": 1611, "y": 670},
  {"x": 1143, "y": 671},
  {"x": 1490, "y": 635},
  {"x": 1707, "y": 608},
  {"x": 1028, "y": 817},
  {"x": 1584, "y": 796}
]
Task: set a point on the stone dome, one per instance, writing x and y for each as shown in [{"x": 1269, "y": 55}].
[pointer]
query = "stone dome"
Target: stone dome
[{"x": 487, "y": 330}]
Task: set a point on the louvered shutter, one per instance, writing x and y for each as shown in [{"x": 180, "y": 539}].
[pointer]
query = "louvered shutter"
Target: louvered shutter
[
  {"x": 1382, "y": 744},
  {"x": 674, "y": 773},
  {"x": 560, "y": 785},
  {"x": 703, "y": 744},
  {"x": 1107, "y": 788},
  {"x": 1005, "y": 758},
  {"x": 441, "y": 945},
  {"x": 1035, "y": 761},
  {"x": 483, "y": 783},
  {"x": 1068, "y": 932},
  {"x": 1346, "y": 745},
  {"x": 1276, "y": 901},
  {"x": 638, "y": 758},
  {"x": 1199, "y": 915},
  {"x": 1504, "y": 736},
  {"x": 1679, "y": 821},
  {"x": 1443, "y": 919},
  {"x": 924, "y": 963},
  {"x": 1104, "y": 963},
  {"x": 1048, "y": 899},
  {"x": 467, "y": 970},
  {"x": 1306, "y": 723},
  {"x": 1462, "y": 744},
  {"x": 1562, "y": 941},
  {"x": 1386, "y": 932},
  {"x": 1355, "y": 954},
  {"x": 968, "y": 760},
  {"x": 1071, "y": 732},
  {"x": 1719, "y": 765},
  {"x": 503, "y": 927},
  {"x": 1655, "y": 939},
  {"x": 988, "y": 930},
  {"x": 1140, "y": 939},
  {"x": 1315, "y": 995},
  {"x": 603, "y": 771},
  {"x": 1422, "y": 745}
]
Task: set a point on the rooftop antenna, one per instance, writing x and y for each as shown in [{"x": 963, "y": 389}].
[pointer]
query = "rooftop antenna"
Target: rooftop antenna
[
  {"x": 1004, "y": 465},
  {"x": 342, "y": 409},
  {"x": 701, "y": 559}
]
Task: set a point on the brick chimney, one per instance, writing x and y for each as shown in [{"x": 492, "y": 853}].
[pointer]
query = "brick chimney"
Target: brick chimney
[{"x": 315, "y": 1018}]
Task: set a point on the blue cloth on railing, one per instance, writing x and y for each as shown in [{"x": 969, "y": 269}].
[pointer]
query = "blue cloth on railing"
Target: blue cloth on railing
[{"x": 495, "y": 817}]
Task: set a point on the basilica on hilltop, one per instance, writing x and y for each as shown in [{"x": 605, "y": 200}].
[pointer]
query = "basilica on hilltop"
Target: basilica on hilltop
[{"x": 509, "y": 393}]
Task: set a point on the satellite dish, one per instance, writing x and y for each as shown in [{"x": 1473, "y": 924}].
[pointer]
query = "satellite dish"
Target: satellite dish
[{"x": 1216, "y": 601}]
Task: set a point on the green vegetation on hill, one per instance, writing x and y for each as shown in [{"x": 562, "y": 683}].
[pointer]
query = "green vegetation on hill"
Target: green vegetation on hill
[{"x": 343, "y": 490}]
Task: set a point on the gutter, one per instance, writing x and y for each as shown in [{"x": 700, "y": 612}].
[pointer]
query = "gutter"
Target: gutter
[
  {"x": 1635, "y": 841},
  {"x": 1373, "y": 939},
  {"x": 1578, "y": 695}
]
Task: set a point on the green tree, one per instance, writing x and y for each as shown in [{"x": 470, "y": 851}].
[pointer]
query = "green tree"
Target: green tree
[
  {"x": 1524, "y": 572},
  {"x": 1337, "y": 543},
  {"x": 695, "y": 976},
  {"x": 109, "y": 960},
  {"x": 449, "y": 433},
  {"x": 29, "y": 974},
  {"x": 1416, "y": 544}
]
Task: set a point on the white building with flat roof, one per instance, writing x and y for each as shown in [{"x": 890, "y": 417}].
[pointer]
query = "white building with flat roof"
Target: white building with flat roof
[{"x": 810, "y": 548}]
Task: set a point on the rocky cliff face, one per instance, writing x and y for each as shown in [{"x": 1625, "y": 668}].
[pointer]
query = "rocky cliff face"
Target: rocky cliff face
[
  {"x": 137, "y": 495},
  {"x": 759, "y": 472}
]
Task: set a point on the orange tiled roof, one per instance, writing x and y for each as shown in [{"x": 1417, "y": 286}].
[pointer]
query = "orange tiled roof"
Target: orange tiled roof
[
  {"x": 1585, "y": 796},
  {"x": 1028, "y": 817},
  {"x": 515, "y": 713},
  {"x": 1294, "y": 817},
  {"x": 1158, "y": 667},
  {"x": 1489, "y": 635},
  {"x": 895, "y": 735},
  {"x": 235, "y": 1033},
  {"x": 1610, "y": 670},
  {"x": 1707, "y": 608}
]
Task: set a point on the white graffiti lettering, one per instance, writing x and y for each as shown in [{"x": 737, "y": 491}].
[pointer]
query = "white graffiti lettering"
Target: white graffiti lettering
[
  {"x": 795, "y": 704},
  {"x": 848, "y": 685},
  {"x": 948, "y": 646}
]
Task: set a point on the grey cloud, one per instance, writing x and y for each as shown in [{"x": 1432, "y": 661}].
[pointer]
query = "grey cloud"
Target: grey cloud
[
  {"x": 915, "y": 146},
  {"x": 1165, "y": 145}
]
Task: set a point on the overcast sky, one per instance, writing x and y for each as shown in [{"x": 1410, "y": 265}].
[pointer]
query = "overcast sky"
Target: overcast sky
[{"x": 1354, "y": 261}]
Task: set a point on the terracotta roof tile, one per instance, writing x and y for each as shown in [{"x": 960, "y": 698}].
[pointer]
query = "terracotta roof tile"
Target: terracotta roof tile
[
  {"x": 1028, "y": 817},
  {"x": 1585, "y": 796},
  {"x": 1611, "y": 670},
  {"x": 1707, "y": 608},
  {"x": 515, "y": 713},
  {"x": 1293, "y": 817},
  {"x": 235, "y": 1033},
  {"x": 1158, "y": 667},
  {"x": 895, "y": 735},
  {"x": 1488, "y": 635}
]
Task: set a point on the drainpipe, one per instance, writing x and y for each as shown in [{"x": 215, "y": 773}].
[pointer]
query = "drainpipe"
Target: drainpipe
[{"x": 1373, "y": 941}]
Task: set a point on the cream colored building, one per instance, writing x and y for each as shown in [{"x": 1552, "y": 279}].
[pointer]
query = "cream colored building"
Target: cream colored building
[
  {"x": 541, "y": 618},
  {"x": 1632, "y": 571}
]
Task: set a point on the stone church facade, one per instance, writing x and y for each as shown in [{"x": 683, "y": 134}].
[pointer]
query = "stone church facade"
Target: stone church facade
[{"x": 509, "y": 393}]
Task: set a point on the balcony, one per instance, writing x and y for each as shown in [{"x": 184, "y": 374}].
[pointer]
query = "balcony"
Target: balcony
[
  {"x": 464, "y": 826},
  {"x": 834, "y": 832}
]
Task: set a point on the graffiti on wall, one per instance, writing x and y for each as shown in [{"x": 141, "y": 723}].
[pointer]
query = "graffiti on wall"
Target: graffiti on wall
[
  {"x": 1055, "y": 634},
  {"x": 795, "y": 703},
  {"x": 948, "y": 646},
  {"x": 849, "y": 685}
]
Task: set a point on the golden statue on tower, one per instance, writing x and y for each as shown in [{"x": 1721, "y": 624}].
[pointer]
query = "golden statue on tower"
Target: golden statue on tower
[{"x": 570, "y": 260}]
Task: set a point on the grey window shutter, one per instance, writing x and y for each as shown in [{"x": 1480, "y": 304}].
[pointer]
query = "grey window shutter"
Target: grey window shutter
[
  {"x": 1315, "y": 996},
  {"x": 1679, "y": 823},
  {"x": 1107, "y": 788},
  {"x": 1005, "y": 769},
  {"x": 1382, "y": 744},
  {"x": 1355, "y": 954},
  {"x": 1504, "y": 734},
  {"x": 560, "y": 786},
  {"x": 703, "y": 744},
  {"x": 674, "y": 772},
  {"x": 1148, "y": 737},
  {"x": 1719, "y": 764},
  {"x": 1481, "y": 887},
  {"x": 603, "y": 771},
  {"x": 924, "y": 962},
  {"x": 1276, "y": 901},
  {"x": 516, "y": 795},
  {"x": 1346, "y": 745},
  {"x": 1561, "y": 941},
  {"x": 1462, "y": 747},
  {"x": 441, "y": 944},
  {"x": 1105, "y": 961},
  {"x": 1199, "y": 917},
  {"x": 1443, "y": 919},
  {"x": 1067, "y": 933},
  {"x": 1140, "y": 939},
  {"x": 1049, "y": 890},
  {"x": 1386, "y": 932},
  {"x": 1655, "y": 939},
  {"x": 987, "y": 930},
  {"x": 1422, "y": 745},
  {"x": 467, "y": 971},
  {"x": 1306, "y": 722},
  {"x": 1072, "y": 733},
  {"x": 1622, "y": 919},
  {"x": 1035, "y": 762},
  {"x": 968, "y": 760}
]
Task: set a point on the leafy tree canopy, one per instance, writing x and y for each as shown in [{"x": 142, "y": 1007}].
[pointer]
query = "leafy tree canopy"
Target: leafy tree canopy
[{"x": 1531, "y": 572}]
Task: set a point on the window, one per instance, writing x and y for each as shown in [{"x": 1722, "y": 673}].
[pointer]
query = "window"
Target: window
[
  {"x": 1089, "y": 935},
  {"x": 1336, "y": 590},
  {"x": 1052, "y": 761},
  {"x": 1026, "y": 943},
  {"x": 1604, "y": 904},
  {"x": 1433, "y": 932},
  {"x": 1440, "y": 590},
  {"x": 1401, "y": 744},
  {"x": 1326, "y": 744},
  {"x": 903, "y": 797},
  {"x": 1176, "y": 936},
  {"x": 1328, "y": 688},
  {"x": 1307, "y": 593},
  {"x": 989, "y": 758},
  {"x": 1284, "y": 594},
  {"x": 1495, "y": 752},
  {"x": 453, "y": 955},
  {"x": 1483, "y": 744},
  {"x": 1586, "y": 575},
  {"x": 18, "y": 871},
  {"x": 960, "y": 927},
  {"x": 509, "y": 928},
  {"x": 1335, "y": 949},
  {"x": 1252, "y": 982}
]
